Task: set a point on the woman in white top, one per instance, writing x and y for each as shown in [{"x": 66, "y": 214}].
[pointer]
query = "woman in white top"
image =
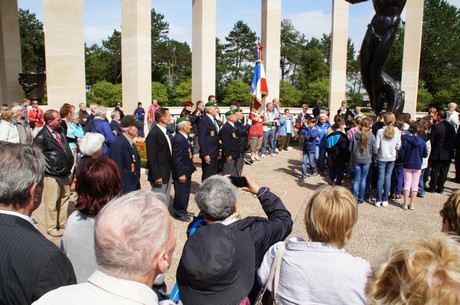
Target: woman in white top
[
  {"x": 8, "y": 130},
  {"x": 388, "y": 142},
  {"x": 320, "y": 271}
]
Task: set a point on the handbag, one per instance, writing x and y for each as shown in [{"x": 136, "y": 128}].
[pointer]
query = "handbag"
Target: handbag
[{"x": 273, "y": 277}]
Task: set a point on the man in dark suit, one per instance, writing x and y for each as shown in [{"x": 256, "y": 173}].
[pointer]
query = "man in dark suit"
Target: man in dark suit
[
  {"x": 159, "y": 154},
  {"x": 183, "y": 168},
  {"x": 123, "y": 151},
  {"x": 30, "y": 265},
  {"x": 442, "y": 151},
  {"x": 208, "y": 138},
  {"x": 59, "y": 161},
  {"x": 231, "y": 145},
  {"x": 243, "y": 130}
]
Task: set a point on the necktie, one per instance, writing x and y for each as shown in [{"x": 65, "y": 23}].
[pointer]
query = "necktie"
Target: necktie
[
  {"x": 216, "y": 125},
  {"x": 58, "y": 139}
]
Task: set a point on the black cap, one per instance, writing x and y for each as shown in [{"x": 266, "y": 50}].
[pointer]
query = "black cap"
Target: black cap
[{"x": 130, "y": 120}]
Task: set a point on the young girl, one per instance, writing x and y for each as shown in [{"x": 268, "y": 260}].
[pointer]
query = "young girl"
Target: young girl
[
  {"x": 413, "y": 150},
  {"x": 362, "y": 146},
  {"x": 388, "y": 141}
]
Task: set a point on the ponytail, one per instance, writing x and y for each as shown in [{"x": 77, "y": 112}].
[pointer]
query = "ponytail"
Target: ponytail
[{"x": 389, "y": 120}]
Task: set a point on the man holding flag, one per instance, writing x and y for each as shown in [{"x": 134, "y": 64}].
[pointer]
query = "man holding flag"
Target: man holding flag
[{"x": 259, "y": 88}]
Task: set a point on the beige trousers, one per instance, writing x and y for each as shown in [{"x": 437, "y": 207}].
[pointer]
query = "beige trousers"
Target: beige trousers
[{"x": 56, "y": 200}]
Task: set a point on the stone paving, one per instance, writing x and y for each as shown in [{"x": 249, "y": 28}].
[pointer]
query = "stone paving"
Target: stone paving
[{"x": 377, "y": 228}]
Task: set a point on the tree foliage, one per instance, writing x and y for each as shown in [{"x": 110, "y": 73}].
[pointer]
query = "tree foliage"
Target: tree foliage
[
  {"x": 290, "y": 95},
  {"x": 32, "y": 42},
  {"x": 160, "y": 92},
  {"x": 183, "y": 92},
  {"x": 105, "y": 93},
  {"x": 237, "y": 91}
]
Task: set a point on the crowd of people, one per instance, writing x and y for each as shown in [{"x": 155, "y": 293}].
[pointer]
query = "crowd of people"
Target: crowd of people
[{"x": 118, "y": 243}]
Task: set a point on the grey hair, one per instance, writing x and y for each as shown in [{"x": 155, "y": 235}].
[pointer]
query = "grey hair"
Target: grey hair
[
  {"x": 100, "y": 111},
  {"x": 91, "y": 143},
  {"x": 129, "y": 233},
  {"x": 207, "y": 109},
  {"x": 93, "y": 106},
  {"x": 114, "y": 113},
  {"x": 20, "y": 167},
  {"x": 216, "y": 198},
  {"x": 452, "y": 104},
  {"x": 81, "y": 104},
  {"x": 181, "y": 125},
  {"x": 16, "y": 109},
  {"x": 233, "y": 107},
  {"x": 269, "y": 104},
  {"x": 73, "y": 115}
]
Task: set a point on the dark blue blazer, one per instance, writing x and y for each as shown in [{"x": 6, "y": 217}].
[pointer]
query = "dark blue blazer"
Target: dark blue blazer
[
  {"x": 208, "y": 137},
  {"x": 158, "y": 155},
  {"x": 30, "y": 264},
  {"x": 243, "y": 129},
  {"x": 125, "y": 157},
  {"x": 182, "y": 164},
  {"x": 231, "y": 143}
]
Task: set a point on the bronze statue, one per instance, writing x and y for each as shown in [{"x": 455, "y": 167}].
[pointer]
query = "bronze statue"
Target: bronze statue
[
  {"x": 33, "y": 85},
  {"x": 374, "y": 52}
]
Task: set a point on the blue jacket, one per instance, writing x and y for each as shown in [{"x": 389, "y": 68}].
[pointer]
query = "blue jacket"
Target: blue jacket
[
  {"x": 128, "y": 162},
  {"x": 283, "y": 126},
  {"x": 103, "y": 127},
  {"x": 412, "y": 151},
  {"x": 322, "y": 130},
  {"x": 310, "y": 136}
]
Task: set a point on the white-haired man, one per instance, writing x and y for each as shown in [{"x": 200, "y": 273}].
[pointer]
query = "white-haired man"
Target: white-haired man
[
  {"x": 30, "y": 265},
  {"x": 452, "y": 115},
  {"x": 134, "y": 242},
  {"x": 100, "y": 125}
]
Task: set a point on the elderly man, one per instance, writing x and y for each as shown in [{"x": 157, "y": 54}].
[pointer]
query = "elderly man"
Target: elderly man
[
  {"x": 217, "y": 200},
  {"x": 208, "y": 138},
  {"x": 159, "y": 154},
  {"x": 59, "y": 161},
  {"x": 269, "y": 132},
  {"x": 317, "y": 109},
  {"x": 151, "y": 113},
  {"x": 182, "y": 169},
  {"x": 231, "y": 144},
  {"x": 100, "y": 125},
  {"x": 124, "y": 152},
  {"x": 194, "y": 118},
  {"x": 452, "y": 115},
  {"x": 134, "y": 242},
  {"x": 276, "y": 127},
  {"x": 31, "y": 265}
]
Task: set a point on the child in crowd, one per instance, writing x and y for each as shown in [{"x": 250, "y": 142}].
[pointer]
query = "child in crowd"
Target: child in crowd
[
  {"x": 286, "y": 130},
  {"x": 322, "y": 126},
  {"x": 139, "y": 113},
  {"x": 311, "y": 136},
  {"x": 425, "y": 126},
  {"x": 337, "y": 151},
  {"x": 397, "y": 177},
  {"x": 362, "y": 146},
  {"x": 388, "y": 142},
  {"x": 412, "y": 152}
]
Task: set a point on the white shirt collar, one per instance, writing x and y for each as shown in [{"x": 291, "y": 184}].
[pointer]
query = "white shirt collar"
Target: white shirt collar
[
  {"x": 162, "y": 128},
  {"x": 184, "y": 134},
  {"x": 25, "y": 217}
]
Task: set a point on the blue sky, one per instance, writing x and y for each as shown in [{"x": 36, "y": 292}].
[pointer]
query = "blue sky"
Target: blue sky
[{"x": 310, "y": 17}]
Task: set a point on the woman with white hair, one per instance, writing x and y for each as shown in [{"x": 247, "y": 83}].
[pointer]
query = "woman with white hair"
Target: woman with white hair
[
  {"x": 8, "y": 130},
  {"x": 91, "y": 146},
  {"x": 25, "y": 133}
]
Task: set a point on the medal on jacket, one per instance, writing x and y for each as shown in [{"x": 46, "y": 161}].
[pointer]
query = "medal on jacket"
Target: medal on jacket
[
  {"x": 133, "y": 168},
  {"x": 190, "y": 154},
  {"x": 234, "y": 135},
  {"x": 212, "y": 133}
]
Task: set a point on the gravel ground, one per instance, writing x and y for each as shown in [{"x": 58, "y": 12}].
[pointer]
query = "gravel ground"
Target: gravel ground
[{"x": 377, "y": 228}]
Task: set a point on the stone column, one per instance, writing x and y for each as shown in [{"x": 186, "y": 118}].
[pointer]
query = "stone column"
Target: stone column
[
  {"x": 338, "y": 71},
  {"x": 411, "y": 55},
  {"x": 64, "y": 52},
  {"x": 203, "y": 49},
  {"x": 10, "y": 53},
  {"x": 136, "y": 62},
  {"x": 271, "y": 41}
]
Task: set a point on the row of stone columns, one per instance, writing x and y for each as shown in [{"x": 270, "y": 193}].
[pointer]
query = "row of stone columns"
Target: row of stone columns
[{"x": 65, "y": 62}]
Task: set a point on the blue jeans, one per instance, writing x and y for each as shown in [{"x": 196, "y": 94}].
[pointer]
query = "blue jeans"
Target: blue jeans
[
  {"x": 421, "y": 184},
  {"x": 275, "y": 136},
  {"x": 268, "y": 137},
  {"x": 359, "y": 185},
  {"x": 384, "y": 179},
  {"x": 308, "y": 157}
]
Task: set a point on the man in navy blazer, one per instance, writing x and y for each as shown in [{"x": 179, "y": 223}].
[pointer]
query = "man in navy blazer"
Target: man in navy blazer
[
  {"x": 123, "y": 151},
  {"x": 31, "y": 265},
  {"x": 208, "y": 138},
  {"x": 159, "y": 154},
  {"x": 231, "y": 144},
  {"x": 183, "y": 168}
]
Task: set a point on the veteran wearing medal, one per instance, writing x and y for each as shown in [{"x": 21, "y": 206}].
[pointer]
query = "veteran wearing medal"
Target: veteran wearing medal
[
  {"x": 208, "y": 138},
  {"x": 182, "y": 169},
  {"x": 231, "y": 144},
  {"x": 123, "y": 151}
]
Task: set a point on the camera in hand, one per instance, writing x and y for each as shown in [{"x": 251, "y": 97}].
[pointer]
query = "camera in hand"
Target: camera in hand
[{"x": 239, "y": 181}]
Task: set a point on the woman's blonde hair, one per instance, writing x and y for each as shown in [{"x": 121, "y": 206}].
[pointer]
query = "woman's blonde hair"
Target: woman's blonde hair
[
  {"x": 422, "y": 270},
  {"x": 7, "y": 115},
  {"x": 389, "y": 120},
  {"x": 365, "y": 127},
  {"x": 330, "y": 215},
  {"x": 450, "y": 213}
]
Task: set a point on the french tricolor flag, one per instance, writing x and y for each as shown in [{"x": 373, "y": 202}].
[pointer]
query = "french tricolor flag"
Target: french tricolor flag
[{"x": 259, "y": 88}]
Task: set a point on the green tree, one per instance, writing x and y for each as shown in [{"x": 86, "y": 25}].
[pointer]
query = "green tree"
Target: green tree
[
  {"x": 159, "y": 33},
  {"x": 290, "y": 95},
  {"x": 393, "y": 65},
  {"x": 95, "y": 64},
  {"x": 105, "y": 93},
  {"x": 240, "y": 50},
  {"x": 237, "y": 91},
  {"x": 317, "y": 89},
  {"x": 112, "y": 56},
  {"x": 313, "y": 65},
  {"x": 221, "y": 70},
  {"x": 424, "y": 98},
  {"x": 175, "y": 61},
  {"x": 183, "y": 92},
  {"x": 160, "y": 92},
  {"x": 32, "y": 42},
  {"x": 292, "y": 42}
]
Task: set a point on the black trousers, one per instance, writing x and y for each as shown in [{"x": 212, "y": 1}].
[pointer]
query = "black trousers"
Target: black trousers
[
  {"x": 181, "y": 196},
  {"x": 439, "y": 171},
  {"x": 209, "y": 169},
  {"x": 336, "y": 174},
  {"x": 457, "y": 165}
]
